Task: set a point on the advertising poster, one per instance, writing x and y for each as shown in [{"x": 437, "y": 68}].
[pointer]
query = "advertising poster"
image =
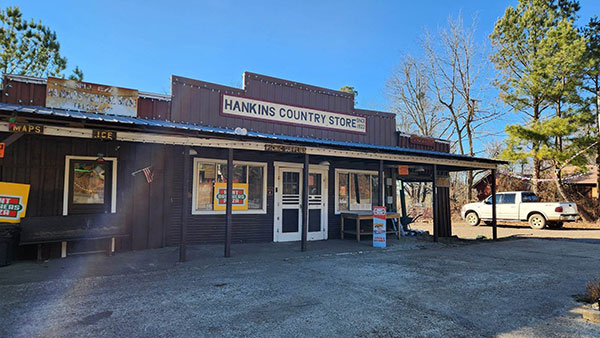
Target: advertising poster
[
  {"x": 13, "y": 201},
  {"x": 379, "y": 238},
  {"x": 239, "y": 199}
]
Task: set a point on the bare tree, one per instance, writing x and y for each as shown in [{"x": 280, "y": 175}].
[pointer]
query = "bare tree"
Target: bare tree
[
  {"x": 457, "y": 68},
  {"x": 410, "y": 95}
]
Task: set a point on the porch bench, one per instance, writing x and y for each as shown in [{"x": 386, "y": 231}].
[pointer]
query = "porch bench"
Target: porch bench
[{"x": 64, "y": 229}]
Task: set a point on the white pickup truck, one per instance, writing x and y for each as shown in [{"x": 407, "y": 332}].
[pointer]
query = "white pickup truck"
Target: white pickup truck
[{"x": 521, "y": 206}]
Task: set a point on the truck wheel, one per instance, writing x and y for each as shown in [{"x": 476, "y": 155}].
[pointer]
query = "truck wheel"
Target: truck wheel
[
  {"x": 537, "y": 221},
  {"x": 472, "y": 218},
  {"x": 555, "y": 225}
]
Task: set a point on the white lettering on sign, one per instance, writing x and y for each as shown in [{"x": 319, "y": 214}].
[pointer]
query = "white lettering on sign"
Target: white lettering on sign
[{"x": 286, "y": 114}]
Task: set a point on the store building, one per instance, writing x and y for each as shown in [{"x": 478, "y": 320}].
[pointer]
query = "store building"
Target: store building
[{"x": 125, "y": 169}]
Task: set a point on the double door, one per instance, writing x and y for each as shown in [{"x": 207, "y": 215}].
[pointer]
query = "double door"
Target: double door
[{"x": 288, "y": 204}]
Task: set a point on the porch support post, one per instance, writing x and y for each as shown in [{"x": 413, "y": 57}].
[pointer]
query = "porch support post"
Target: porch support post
[
  {"x": 494, "y": 228},
  {"x": 435, "y": 204},
  {"x": 305, "y": 203},
  {"x": 228, "y": 207},
  {"x": 186, "y": 205},
  {"x": 380, "y": 191}
]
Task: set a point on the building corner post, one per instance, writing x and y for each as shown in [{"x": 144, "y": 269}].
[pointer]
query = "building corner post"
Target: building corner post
[
  {"x": 494, "y": 220},
  {"x": 186, "y": 209},
  {"x": 435, "y": 204},
  {"x": 305, "y": 203},
  {"x": 228, "y": 207},
  {"x": 381, "y": 182}
]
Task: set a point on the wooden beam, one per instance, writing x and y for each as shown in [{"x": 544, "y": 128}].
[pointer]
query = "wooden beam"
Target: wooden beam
[
  {"x": 435, "y": 205},
  {"x": 494, "y": 220},
  {"x": 305, "y": 203},
  {"x": 229, "y": 207},
  {"x": 12, "y": 138},
  {"x": 381, "y": 198},
  {"x": 186, "y": 207}
]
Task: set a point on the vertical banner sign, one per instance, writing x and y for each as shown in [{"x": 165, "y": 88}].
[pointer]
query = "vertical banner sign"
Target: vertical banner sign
[
  {"x": 2, "y": 147},
  {"x": 13, "y": 201},
  {"x": 379, "y": 238},
  {"x": 239, "y": 199}
]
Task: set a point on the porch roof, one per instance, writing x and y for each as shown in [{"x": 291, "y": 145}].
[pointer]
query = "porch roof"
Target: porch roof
[{"x": 169, "y": 126}]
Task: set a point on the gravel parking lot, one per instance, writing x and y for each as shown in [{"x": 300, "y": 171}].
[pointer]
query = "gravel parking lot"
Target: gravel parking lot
[
  {"x": 570, "y": 230},
  {"x": 338, "y": 288}
]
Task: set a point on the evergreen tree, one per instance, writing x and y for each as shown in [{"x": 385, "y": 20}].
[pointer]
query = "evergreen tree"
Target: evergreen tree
[
  {"x": 29, "y": 48},
  {"x": 541, "y": 58}
]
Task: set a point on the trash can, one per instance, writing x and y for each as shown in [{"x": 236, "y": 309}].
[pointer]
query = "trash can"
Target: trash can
[{"x": 9, "y": 236}]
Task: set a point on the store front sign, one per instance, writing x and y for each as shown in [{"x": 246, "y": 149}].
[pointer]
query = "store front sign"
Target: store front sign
[
  {"x": 13, "y": 201},
  {"x": 285, "y": 149},
  {"x": 281, "y": 113},
  {"x": 104, "y": 134},
  {"x": 91, "y": 97},
  {"x": 28, "y": 128},
  {"x": 379, "y": 235},
  {"x": 239, "y": 199}
]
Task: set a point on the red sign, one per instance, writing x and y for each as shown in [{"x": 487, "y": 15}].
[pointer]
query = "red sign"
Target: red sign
[
  {"x": 403, "y": 170},
  {"x": 10, "y": 206},
  {"x": 2, "y": 146},
  {"x": 424, "y": 141}
]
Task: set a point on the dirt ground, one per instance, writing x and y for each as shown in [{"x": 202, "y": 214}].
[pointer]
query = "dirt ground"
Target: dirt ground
[
  {"x": 515, "y": 229},
  {"x": 507, "y": 288}
]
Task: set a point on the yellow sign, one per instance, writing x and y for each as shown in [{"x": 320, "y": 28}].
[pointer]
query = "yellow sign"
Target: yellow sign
[
  {"x": 91, "y": 97},
  {"x": 239, "y": 199},
  {"x": 13, "y": 201}
]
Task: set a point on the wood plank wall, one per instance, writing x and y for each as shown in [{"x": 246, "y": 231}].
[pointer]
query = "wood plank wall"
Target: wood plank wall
[{"x": 40, "y": 161}]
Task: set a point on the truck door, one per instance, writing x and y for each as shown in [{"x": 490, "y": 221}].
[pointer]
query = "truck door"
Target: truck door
[{"x": 507, "y": 207}]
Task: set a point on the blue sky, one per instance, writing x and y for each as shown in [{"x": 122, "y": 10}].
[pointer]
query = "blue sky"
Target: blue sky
[{"x": 139, "y": 44}]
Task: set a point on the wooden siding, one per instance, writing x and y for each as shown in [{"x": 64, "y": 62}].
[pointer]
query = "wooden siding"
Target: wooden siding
[
  {"x": 40, "y": 161},
  {"x": 200, "y": 103},
  {"x": 33, "y": 93},
  {"x": 439, "y": 145}
]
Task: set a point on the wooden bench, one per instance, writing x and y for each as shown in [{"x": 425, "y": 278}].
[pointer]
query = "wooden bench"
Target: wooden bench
[
  {"x": 359, "y": 216},
  {"x": 64, "y": 229}
]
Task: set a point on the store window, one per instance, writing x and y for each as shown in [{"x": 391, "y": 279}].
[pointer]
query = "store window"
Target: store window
[
  {"x": 212, "y": 174},
  {"x": 89, "y": 185},
  {"x": 355, "y": 190}
]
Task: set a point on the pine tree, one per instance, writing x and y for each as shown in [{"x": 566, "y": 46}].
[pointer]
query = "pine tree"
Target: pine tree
[{"x": 540, "y": 57}]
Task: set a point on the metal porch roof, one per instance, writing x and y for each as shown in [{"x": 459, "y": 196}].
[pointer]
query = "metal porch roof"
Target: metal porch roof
[{"x": 43, "y": 111}]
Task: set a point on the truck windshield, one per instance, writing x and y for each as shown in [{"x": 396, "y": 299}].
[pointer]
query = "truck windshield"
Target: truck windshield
[{"x": 529, "y": 197}]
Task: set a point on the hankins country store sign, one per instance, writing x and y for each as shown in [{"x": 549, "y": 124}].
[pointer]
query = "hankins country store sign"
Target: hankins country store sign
[
  {"x": 236, "y": 106},
  {"x": 13, "y": 201},
  {"x": 239, "y": 199}
]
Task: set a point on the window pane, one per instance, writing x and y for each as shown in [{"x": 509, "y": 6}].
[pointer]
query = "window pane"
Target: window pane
[
  {"x": 360, "y": 192},
  {"x": 255, "y": 187},
  {"x": 343, "y": 191},
  {"x": 205, "y": 186},
  {"x": 375, "y": 189},
  {"x": 88, "y": 183},
  {"x": 221, "y": 172},
  {"x": 239, "y": 173},
  {"x": 509, "y": 199},
  {"x": 291, "y": 183},
  {"x": 314, "y": 184}
]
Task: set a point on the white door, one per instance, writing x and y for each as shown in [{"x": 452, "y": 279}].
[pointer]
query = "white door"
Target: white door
[{"x": 288, "y": 204}]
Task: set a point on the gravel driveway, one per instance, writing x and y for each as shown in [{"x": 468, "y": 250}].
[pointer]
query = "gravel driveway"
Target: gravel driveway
[{"x": 337, "y": 288}]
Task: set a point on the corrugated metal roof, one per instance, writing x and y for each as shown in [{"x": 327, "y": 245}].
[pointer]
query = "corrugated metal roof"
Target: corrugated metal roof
[{"x": 217, "y": 130}]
